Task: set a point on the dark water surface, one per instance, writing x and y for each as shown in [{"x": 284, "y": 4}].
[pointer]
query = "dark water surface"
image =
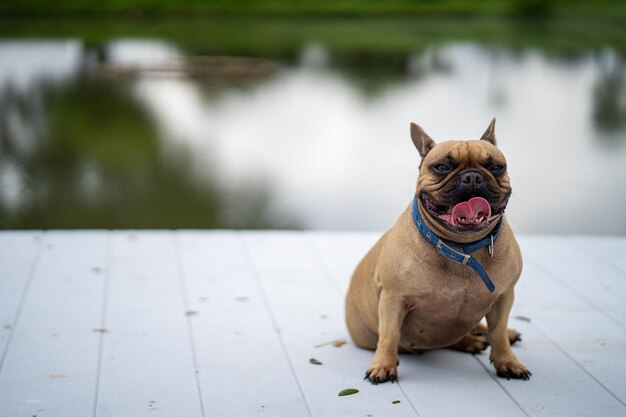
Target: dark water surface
[{"x": 270, "y": 124}]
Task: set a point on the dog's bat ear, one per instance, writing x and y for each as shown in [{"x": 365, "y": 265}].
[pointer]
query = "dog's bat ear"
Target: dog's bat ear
[
  {"x": 421, "y": 140},
  {"x": 490, "y": 133}
]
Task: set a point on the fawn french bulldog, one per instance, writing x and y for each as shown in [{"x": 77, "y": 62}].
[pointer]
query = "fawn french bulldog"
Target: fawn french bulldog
[{"x": 450, "y": 260}]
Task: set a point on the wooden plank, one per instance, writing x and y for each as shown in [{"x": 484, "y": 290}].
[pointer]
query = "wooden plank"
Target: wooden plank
[
  {"x": 585, "y": 322},
  {"x": 574, "y": 343},
  {"x": 582, "y": 272},
  {"x": 51, "y": 363},
  {"x": 592, "y": 343},
  {"x": 18, "y": 252},
  {"x": 558, "y": 387},
  {"x": 309, "y": 313},
  {"x": 243, "y": 367},
  {"x": 610, "y": 248},
  {"x": 147, "y": 364},
  {"x": 342, "y": 251},
  {"x": 439, "y": 383}
]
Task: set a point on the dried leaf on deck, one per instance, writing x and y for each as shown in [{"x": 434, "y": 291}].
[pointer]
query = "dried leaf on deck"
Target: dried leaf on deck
[{"x": 335, "y": 343}]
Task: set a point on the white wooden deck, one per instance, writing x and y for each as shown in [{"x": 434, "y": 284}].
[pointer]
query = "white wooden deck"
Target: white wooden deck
[{"x": 165, "y": 323}]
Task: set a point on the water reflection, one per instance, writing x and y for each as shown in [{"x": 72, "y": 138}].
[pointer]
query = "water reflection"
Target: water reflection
[
  {"x": 321, "y": 142},
  {"x": 82, "y": 151},
  {"x": 24, "y": 68},
  {"x": 609, "y": 96}
]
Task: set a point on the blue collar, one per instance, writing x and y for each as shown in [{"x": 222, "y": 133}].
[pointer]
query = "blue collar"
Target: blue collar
[{"x": 460, "y": 255}]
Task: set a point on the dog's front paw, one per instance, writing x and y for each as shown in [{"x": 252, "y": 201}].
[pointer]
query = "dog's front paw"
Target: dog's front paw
[
  {"x": 379, "y": 372},
  {"x": 511, "y": 368}
]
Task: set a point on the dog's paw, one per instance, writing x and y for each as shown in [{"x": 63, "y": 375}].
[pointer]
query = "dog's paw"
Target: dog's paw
[
  {"x": 512, "y": 369},
  {"x": 377, "y": 374},
  {"x": 514, "y": 336},
  {"x": 476, "y": 344},
  {"x": 472, "y": 343}
]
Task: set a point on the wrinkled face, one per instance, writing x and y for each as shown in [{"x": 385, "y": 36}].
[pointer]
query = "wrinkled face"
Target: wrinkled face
[{"x": 464, "y": 185}]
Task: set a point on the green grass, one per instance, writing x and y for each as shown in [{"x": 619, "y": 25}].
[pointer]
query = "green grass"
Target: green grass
[
  {"x": 602, "y": 9},
  {"x": 282, "y": 37}
]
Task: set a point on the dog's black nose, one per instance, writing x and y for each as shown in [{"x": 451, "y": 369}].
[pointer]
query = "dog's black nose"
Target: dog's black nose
[{"x": 472, "y": 179}]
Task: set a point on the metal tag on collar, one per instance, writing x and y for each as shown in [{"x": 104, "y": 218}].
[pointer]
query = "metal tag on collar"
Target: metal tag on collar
[{"x": 491, "y": 247}]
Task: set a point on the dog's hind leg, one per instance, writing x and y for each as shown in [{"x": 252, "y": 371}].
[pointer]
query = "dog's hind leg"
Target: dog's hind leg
[
  {"x": 514, "y": 336},
  {"x": 360, "y": 333},
  {"x": 474, "y": 342},
  {"x": 477, "y": 340}
]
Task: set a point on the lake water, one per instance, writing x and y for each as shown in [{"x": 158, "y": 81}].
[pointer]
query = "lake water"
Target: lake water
[{"x": 149, "y": 132}]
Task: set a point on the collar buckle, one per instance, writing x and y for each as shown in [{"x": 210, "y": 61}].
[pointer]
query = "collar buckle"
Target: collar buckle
[{"x": 454, "y": 255}]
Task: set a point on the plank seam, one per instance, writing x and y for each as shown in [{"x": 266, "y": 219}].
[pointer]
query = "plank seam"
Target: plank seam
[
  {"x": 324, "y": 265},
  {"x": 610, "y": 262},
  {"x": 259, "y": 284},
  {"x": 103, "y": 313},
  {"x": 582, "y": 368},
  {"x": 181, "y": 275},
  {"x": 556, "y": 278},
  {"x": 408, "y": 399},
  {"x": 27, "y": 285},
  {"x": 502, "y": 387}
]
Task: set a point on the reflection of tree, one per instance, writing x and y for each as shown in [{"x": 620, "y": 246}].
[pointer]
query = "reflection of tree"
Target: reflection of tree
[
  {"x": 99, "y": 165},
  {"x": 609, "y": 97},
  {"x": 22, "y": 118}
]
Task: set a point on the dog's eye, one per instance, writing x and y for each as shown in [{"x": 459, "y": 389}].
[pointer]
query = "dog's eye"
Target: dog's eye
[
  {"x": 441, "y": 168},
  {"x": 497, "y": 169}
]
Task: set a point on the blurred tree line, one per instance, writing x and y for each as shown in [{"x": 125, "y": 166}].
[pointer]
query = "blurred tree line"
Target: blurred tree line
[{"x": 607, "y": 9}]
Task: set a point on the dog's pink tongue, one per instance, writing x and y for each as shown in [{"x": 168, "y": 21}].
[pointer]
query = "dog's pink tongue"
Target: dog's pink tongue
[{"x": 474, "y": 211}]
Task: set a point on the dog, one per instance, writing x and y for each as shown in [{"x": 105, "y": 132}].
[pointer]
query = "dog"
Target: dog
[{"x": 450, "y": 260}]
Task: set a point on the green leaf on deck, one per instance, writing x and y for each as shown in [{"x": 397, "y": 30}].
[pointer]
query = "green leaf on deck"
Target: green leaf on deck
[
  {"x": 191, "y": 313},
  {"x": 395, "y": 402},
  {"x": 314, "y": 361},
  {"x": 348, "y": 391},
  {"x": 522, "y": 318}
]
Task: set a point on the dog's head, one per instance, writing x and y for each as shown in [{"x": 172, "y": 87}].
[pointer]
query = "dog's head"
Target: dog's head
[{"x": 463, "y": 186}]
